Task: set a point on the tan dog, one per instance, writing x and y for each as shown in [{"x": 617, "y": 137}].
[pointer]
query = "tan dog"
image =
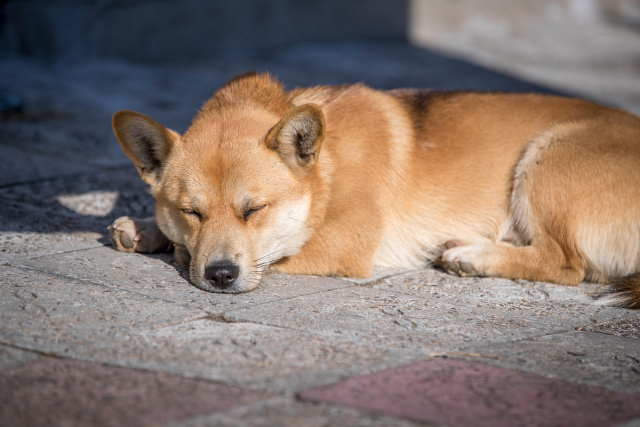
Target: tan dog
[{"x": 337, "y": 180}]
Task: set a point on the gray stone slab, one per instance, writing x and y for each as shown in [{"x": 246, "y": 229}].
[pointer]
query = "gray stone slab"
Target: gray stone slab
[
  {"x": 437, "y": 284},
  {"x": 424, "y": 323},
  {"x": 629, "y": 328},
  {"x": 160, "y": 277},
  {"x": 10, "y": 356},
  {"x": 283, "y": 411},
  {"x": 15, "y": 246},
  {"x": 257, "y": 356},
  {"x": 586, "y": 357},
  {"x": 66, "y": 317},
  {"x": 58, "y": 315}
]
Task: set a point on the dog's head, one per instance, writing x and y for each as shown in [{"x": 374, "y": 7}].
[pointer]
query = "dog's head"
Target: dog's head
[{"x": 236, "y": 188}]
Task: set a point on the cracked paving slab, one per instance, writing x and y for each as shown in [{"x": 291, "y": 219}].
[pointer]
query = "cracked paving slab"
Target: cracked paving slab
[
  {"x": 629, "y": 327},
  {"x": 17, "y": 246},
  {"x": 26, "y": 233},
  {"x": 159, "y": 276},
  {"x": 46, "y": 313},
  {"x": 422, "y": 322},
  {"x": 587, "y": 357},
  {"x": 437, "y": 284},
  {"x": 260, "y": 357},
  {"x": 81, "y": 320}
]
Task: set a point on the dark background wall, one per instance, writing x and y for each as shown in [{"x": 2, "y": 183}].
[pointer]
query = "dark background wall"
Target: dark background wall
[
  {"x": 585, "y": 47},
  {"x": 177, "y": 30}
]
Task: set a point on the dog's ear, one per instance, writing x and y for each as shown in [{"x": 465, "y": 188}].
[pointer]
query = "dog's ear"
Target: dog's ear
[
  {"x": 298, "y": 137},
  {"x": 145, "y": 141}
]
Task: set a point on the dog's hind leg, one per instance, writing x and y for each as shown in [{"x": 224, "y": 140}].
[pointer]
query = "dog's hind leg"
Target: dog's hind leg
[
  {"x": 137, "y": 235},
  {"x": 544, "y": 260},
  {"x": 574, "y": 207}
]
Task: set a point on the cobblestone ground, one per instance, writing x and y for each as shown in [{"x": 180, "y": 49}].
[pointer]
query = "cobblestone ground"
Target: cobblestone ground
[{"x": 93, "y": 337}]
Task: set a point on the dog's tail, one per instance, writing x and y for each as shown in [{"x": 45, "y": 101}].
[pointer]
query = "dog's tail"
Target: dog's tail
[{"x": 623, "y": 293}]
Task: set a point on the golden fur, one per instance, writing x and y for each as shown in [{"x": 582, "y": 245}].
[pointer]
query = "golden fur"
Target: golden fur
[{"x": 336, "y": 180}]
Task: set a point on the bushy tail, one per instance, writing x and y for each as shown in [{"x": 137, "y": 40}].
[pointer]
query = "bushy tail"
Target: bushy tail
[{"x": 623, "y": 293}]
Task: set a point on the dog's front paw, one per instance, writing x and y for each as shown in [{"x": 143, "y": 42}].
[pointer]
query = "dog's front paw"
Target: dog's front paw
[
  {"x": 137, "y": 235},
  {"x": 463, "y": 260}
]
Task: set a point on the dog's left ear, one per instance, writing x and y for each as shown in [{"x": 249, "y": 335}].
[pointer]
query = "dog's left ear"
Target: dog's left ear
[{"x": 298, "y": 137}]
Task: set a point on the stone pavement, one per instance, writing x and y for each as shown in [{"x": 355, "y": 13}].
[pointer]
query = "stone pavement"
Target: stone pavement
[{"x": 93, "y": 337}]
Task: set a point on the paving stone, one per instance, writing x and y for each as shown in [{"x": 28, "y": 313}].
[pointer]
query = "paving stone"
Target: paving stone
[
  {"x": 629, "y": 328},
  {"x": 64, "y": 317},
  {"x": 159, "y": 276},
  {"x": 255, "y": 356},
  {"x": 434, "y": 283},
  {"x": 587, "y": 357},
  {"x": 10, "y": 356},
  {"x": 287, "y": 412},
  {"x": 422, "y": 323},
  {"x": 51, "y": 314},
  {"x": 16, "y": 246},
  {"x": 63, "y": 392},
  {"x": 457, "y": 393}
]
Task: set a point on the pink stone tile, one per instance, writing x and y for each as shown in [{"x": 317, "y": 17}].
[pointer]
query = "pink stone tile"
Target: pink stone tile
[
  {"x": 456, "y": 393},
  {"x": 62, "y": 392}
]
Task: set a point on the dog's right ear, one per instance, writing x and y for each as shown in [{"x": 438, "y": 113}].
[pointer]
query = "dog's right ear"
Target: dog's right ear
[{"x": 145, "y": 141}]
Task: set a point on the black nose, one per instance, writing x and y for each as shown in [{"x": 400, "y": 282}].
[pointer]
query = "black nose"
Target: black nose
[{"x": 221, "y": 276}]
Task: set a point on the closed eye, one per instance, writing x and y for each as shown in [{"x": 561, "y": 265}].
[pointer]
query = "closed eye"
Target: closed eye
[
  {"x": 250, "y": 211},
  {"x": 193, "y": 214}
]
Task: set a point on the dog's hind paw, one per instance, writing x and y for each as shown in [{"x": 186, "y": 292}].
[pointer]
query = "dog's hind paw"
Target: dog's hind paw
[
  {"x": 137, "y": 235},
  {"x": 463, "y": 260}
]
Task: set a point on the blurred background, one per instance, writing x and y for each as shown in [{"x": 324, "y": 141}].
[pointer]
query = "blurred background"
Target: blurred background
[
  {"x": 67, "y": 65},
  {"x": 590, "y": 47}
]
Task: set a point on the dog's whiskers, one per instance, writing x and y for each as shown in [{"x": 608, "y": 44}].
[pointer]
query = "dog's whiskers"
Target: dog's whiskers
[{"x": 256, "y": 260}]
